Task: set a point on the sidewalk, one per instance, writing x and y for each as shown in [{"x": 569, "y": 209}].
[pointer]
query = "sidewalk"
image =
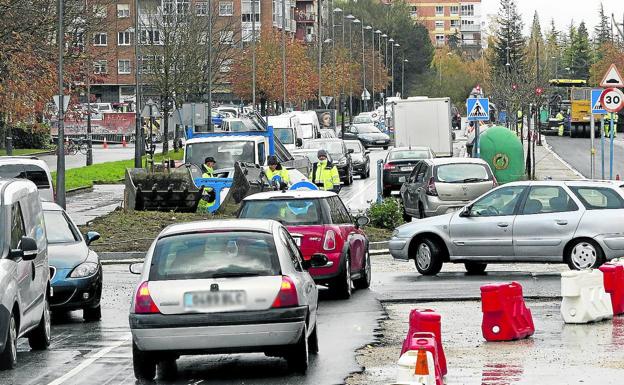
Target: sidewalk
[{"x": 87, "y": 206}]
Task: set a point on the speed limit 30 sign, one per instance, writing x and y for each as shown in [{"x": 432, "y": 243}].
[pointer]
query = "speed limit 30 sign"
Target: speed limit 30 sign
[{"x": 612, "y": 99}]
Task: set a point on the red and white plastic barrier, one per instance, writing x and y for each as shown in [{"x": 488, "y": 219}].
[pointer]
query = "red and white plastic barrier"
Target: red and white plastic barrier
[
  {"x": 505, "y": 315},
  {"x": 584, "y": 297},
  {"x": 419, "y": 365},
  {"x": 428, "y": 321},
  {"x": 613, "y": 274}
]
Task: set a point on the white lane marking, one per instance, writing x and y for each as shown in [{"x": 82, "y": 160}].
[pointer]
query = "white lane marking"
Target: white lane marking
[
  {"x": 374, "y": 181},
  {"x": 88, "y": 362}
]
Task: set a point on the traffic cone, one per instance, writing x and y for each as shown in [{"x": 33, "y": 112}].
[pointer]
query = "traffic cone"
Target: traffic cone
[
  {"x": 105, "y": 145},
  {"x": 422, "y": 366},
  {"x": 123, "y": 141}
]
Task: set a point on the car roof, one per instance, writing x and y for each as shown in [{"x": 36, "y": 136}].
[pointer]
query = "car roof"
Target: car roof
[
  {"x": 226, "y": 138},
  {"x": 418, "y": 148},
  {"x": 569, "y": 183},
  {"x": 290, "y": 194},
  {"x": 23, "y": 160},
  {"x": 264, "y": 225},
  {"x": 443, "y": 161},
  {"x": 50, "y": 206}
]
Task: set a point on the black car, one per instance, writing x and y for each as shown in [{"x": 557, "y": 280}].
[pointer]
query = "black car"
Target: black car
[
  {"x": 367, "y": 133},
  {"x": 399, "y": 164},
  {"x": 341, "y": 157},
  {"x": 359, "y": 158}
]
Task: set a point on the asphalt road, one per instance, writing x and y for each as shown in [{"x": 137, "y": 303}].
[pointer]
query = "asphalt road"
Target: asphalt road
[
  {"x": 359, "y": 195},
  {"x": 576, "y": 152}
]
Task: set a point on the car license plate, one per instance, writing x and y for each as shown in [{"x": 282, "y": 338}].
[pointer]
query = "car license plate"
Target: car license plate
[
  {"x": 407, "y": 168},
  {"x": 401, "y": 179},
  {"x": 381, "y": 141},
  {"x": 297, "y": 241},
  {"x": 215, "y": 300}
]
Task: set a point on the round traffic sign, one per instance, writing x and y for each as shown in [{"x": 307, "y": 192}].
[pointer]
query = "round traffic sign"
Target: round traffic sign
[{"x": 612, "y": 99}]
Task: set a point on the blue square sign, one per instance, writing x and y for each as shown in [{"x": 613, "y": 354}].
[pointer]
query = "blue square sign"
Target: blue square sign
[
  {"x": 478, "y": 109},
  {"x": 595, "y": 102}
]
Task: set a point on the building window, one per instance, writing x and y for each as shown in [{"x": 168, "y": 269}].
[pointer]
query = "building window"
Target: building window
[
  {"x": 100, "y": 67},
  {"x": 100, "y": 11},
  {"x": 439, "y": 40},
  {"x": 439, "y": 10},
  {"x": 123, "y": 67},
  {"x": 183, "y": 7},
  {"x": 226, "y": 66},
  {"x": 467, "y": 10},
  {"x": 439, "y": 24},
  {"x": 100, "y": 39},
  {"x": 226, "y": 8},
  {"x": 123, "y": 10},
  {"x": 467, "y": 22},
  {"x": 150, "y": 63},
  {"x": 454, "y": 10},
  {"x": 151, "y": 36},
  {"x": 201, "y": 8},
  {"x": 454, "y": 23},
  {"x": 413, "y": 11},
  {"x": 123, "y": 38},
  {"x": 226, "y": 37},
  {"x": 246, "y": 18}
]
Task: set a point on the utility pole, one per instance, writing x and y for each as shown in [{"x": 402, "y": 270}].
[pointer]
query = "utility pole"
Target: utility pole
[
  {"x": 60, "y": 143},
  {"x": 283, "y": 55},
  {"x": 209, "y": 44},
  {"x": 89, "y": 139},
  {"x": 319, "y": 36},
  {"x": 138, "y": 137},
  {"x": 253, "y": 56}
]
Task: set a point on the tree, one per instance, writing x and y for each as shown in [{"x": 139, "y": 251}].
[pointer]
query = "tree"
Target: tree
[
  {"x": 579, "y": 55},
  {"x": 552, "y": 51},
  {"x": 509, "y": 49},
  {"x": 536, "y": 51},
  {"x": 602, "y": 32}
]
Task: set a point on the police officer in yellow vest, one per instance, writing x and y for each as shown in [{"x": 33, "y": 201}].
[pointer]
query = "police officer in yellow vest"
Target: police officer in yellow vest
[
  {"x": 519, "y": 119},
  {"x": 324, "y": 174},
  {"x": 208, "y": 172},
  {"x": 560, "y": 121},
  {"x": 607, "y": 124},
  {"x": 276, "y": 169}
]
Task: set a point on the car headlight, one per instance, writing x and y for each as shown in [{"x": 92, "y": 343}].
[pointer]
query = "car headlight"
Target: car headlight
[
  {"x": 342, "y": 162},
  {"x": 395, "y": 233},
  {"x": 84, "y": 270}
]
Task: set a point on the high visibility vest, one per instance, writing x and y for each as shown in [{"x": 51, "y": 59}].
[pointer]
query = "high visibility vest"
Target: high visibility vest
[
  {"x": 325, "y": 175},
  {"x": 279, "y": 171},
  {"x": 560, "y": 118},
  {"x": 615, "y": 117},
  {"x": 208, "y": 173}
]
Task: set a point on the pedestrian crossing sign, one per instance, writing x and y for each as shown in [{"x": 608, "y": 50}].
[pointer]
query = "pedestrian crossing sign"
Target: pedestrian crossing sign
[
  {"x": 478, "y": 109},
  {"x": 597, "y": 107}
]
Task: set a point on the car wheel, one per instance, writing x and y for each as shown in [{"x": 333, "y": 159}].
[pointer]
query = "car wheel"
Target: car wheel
[
  {"x": 91, "y": 314},
  {"x": 168, "y": 368},
  {"x": 342, "y": 285},
  {"x": 8, "y": 357},
  {"x": 313, "y": 341},
  {"x": 39, "y": 338},
  {"x": 584, "y": 254},
  {"x": 428, "y": 258},
  {"x": 475, "y": 268},
  {"x": 385, "y": 147},
  {"x": 144, "y": 364},
  {"x": 365, "y": 278},
  {"x": 386, "y": 192},
  {"x": 297, "y": 358}
]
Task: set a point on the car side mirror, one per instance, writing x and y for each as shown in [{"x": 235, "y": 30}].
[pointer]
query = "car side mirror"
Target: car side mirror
[
  {"x": 362, "y": 221},
  {"x": 316, "y": 260},
  {"x": 27, "y": 251},
  {"x": 91, "y": 237},
  {"x": 299, "y": 142},
  {"x": 136, "y": 268},
  {"x": 350, "y": 151},
  {"x": 366, "y": 152},
  {"x": 465, "y": 212}
]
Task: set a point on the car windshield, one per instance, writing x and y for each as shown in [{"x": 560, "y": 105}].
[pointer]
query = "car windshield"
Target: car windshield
[
  {"x": 290, "y": 212},
  {"x": 306, "y": 131},
  {"x": 409, "y": 155},
  {"x": 367, "y": 129},
  {"x": 26, "y": 171},
  {"x": 58, "y": 228},
  {"x": 355, "y": 146},
  {"x": 285, "y": 135},
  {"x": 362, "y": 120},
  {"x": 214, "y": 254},
  {"x": 462, "y": 173},
  {"x": 225, "y": 153},
  {"x": 331, "y": 147},
  {"x": 238, "y": 126}
]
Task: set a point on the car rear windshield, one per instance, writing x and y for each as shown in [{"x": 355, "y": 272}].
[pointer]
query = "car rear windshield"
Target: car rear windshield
[
  {"x": 409, "y": 155},
  {"x": 289, "y": 212},
  {"x": 362, "y": 119},
  {"x": 462, "y": 173},
  {"x": 598, "y": 198},
  {"x": 285, "y": 135},
  {"x": 331, "y": 147},
  {"x": 355, "y": 146},
  {"x": 26, "y": 171},
  {"x": 58, "y": 228},
  {"x": 214, "y": 255}
]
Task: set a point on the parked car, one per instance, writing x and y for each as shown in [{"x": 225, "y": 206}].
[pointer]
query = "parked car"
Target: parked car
[
  {"x": 359, "y": 157},
  {"x": 320, "y": 224},
  {"x": 399, "y": 164},
  {"x": 365, "y": 131},
  {"x": 578, "y": 223},
  {"x": 75, "y": 269},
  {"x": 24, "y": 271},
  {"x": 31, "y": 168},
  {"x": 443, "y": 185},
  {"x": 241, "y": 286},
  {"x": 339, "y": 154}
]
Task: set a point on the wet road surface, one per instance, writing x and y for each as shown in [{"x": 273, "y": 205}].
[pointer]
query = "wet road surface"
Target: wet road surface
[{"x": 576, "y": 152}]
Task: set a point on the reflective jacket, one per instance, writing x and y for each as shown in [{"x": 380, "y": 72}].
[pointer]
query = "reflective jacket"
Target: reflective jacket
[
  {"x": 279, "y": 171},
  {"x": 325, "y": 175}
]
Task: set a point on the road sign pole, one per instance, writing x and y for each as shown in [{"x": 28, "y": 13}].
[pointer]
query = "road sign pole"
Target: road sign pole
[
  {"x": 602, "y": 144},
  {"x": 477, "y": 138},
  {"x": 592, "y": 135},
  {"x": 611, "y": 148}
]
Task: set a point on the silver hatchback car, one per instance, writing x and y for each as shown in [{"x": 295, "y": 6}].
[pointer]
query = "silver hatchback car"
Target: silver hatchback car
[
  {"x": 578, "y": 223},
  {"x": 219, "y": 287}
]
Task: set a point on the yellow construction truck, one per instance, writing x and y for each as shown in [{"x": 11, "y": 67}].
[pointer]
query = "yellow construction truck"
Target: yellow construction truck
[{"x": 573, "y": 97}]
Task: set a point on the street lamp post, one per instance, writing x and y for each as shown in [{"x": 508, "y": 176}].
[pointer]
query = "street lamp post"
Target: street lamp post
[
  {"x": 138, "y": 130},
  {"x": 364, "y": 100},
  {"x": 378, "y": 32},
  {"x": 357, "y": 21},
  {"x": 253, "y": 56},
  {"x": 394, "y": 45},
  {"x": 403, "y": 77},
  {"x": 391, "y": 63},
  {"x": 350, "y": 18},
  {"x": 60, "y": 146},
  {"x": 283, "y": 55},
  {"x": 334, "y": 12},
  {"x": 319, "y": 40}
]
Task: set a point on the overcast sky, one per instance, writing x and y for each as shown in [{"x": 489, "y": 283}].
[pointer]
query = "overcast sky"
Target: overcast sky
[{"x": 562, "y": 11}]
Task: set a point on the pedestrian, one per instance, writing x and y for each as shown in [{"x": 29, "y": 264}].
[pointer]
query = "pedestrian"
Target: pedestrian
[
  {"x": 209, "y": 196},
  {"x": 519, "y": 119},
  {"x": 607, "y": 125},
  {"x": 276, "y": 171},
  {"x": 325, "y": 174},
  {"x": 560, "y": 120}
]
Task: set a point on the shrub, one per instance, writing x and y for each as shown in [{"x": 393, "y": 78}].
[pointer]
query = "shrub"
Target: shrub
[
  {"x": 31, "y": 136},
  {"x": 387, "y": 214}
]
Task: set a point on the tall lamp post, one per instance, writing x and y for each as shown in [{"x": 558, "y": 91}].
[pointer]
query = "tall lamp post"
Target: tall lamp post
[
  {"x": 284, "y": 55},
  {"x": 339, "y": 10},
  {"x": 377, "y": 32},
  {"x": 403, "y": 78},
  {"x": 334, "y": 25},
  {"x": 364, "y": 100},
  {"x": 253, "y": 55},
  {"x": 351, "y": 18},
  {"x": 357, "y": 21},
  {"x": 60, "y": 145},
  {"x": 390, "y": 62},
  {"x": 393, "y": 45}
]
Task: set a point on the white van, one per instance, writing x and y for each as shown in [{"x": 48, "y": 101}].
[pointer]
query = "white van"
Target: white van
[
  {"x": 310, "y": 127},
  {"x": 30, "y": 168},
  {"x": 287, "y": 129}
]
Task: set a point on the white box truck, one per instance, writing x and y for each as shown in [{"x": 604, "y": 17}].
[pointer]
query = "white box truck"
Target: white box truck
[{"x": 424, "y": 122}]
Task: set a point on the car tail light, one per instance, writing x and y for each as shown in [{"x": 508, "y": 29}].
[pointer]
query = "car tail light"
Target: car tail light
[
  {"x": 431, "y": 187},
  {"x": 287, "y": 296},
  {"x": 389, "y": 166},
  {"x": 144, "y": 304},
  {"x": 330, "y": 240}
]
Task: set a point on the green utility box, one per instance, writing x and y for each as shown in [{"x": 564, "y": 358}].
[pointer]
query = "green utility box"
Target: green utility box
[{"x": 502, "y": 149}]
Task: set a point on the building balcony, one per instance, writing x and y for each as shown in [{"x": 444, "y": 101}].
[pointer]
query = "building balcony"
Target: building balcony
[
  {"x": 305, "y": 17},
  {"x": 470, "y": 28}
]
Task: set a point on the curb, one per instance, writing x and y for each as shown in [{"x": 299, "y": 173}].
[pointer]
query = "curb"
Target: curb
[
  {"x": 378, "y": 245},
  {"x": 78, "y": 190},
  {"x": 379, "y": 252},
  {"x": 550, "y": 150}
]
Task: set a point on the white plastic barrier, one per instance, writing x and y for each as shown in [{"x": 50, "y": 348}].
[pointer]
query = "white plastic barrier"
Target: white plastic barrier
[
  {"x": 584, "y": 297},
  {"x": 407, "y": 367}
]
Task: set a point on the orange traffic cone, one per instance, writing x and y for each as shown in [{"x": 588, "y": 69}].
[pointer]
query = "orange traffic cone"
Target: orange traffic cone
[
  {"x": 422, "y": 366},
  {"x": 123, "y": 141},
  {"x": 105, "y": 145}
]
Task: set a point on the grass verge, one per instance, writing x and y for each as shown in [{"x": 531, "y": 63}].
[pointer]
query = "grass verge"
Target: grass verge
[
  {"x": 25, "y": 151},
  {"x": 108, "y": 172}
]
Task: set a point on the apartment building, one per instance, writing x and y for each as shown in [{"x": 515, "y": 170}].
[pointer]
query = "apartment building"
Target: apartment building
[{"x": 450, "y": 20}]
